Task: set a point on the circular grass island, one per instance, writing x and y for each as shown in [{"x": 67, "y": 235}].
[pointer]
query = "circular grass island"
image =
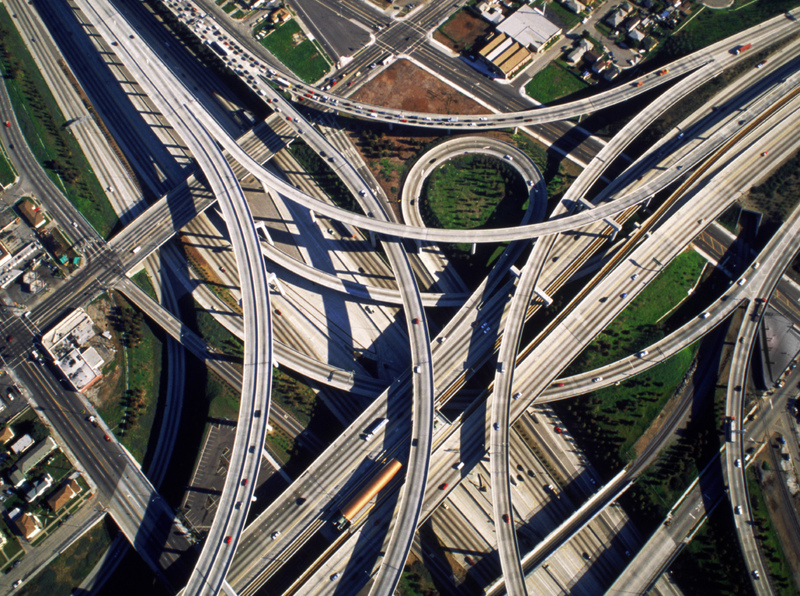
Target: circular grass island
[{"x": 473, "y": 191}]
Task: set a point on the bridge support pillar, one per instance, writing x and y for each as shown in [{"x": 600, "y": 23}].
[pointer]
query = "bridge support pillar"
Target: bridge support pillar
[
  {"x": 274, "y": 283},
  {"x": 616, "y": 226},
  {"x": 541, "y": 294},
  {"x": 263, "y": 229},
  {"x": 372, "y": 240},
  {"x": 313, "y": 216},
  {"x": 472, "y": 249}
]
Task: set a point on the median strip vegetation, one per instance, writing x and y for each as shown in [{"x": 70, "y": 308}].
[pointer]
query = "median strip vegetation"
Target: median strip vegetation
[{"x": 47, "y": 132}]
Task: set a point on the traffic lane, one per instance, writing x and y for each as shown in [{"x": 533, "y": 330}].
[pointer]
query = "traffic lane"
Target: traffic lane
[{"x": 333, "y": 28}]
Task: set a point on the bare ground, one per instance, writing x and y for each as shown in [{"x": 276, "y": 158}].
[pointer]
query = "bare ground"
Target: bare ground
[
  {"x": 462, "y": 31},
  {"x": 107, "y": 390}
]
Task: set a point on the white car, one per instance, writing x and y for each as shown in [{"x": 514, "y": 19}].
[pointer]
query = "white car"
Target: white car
[
  {"x": 738, "y": 463},
  {"x": 635, "y": 276},
  {"x": 741, "y": 282},
  {"x": 275, "y": 534},
  {"x": 643, "y": 353},
  {"x": 705, "y": 315},
  {"x": 597, "y": 379},
  {"x": 738, "y": 510}
]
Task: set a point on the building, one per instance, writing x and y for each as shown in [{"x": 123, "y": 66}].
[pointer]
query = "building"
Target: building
[
  {"x": 6, "y": 435},
  {"x": 574, "y": 57},
  {"x": 32, "y": 213},
  {"x": 63, "y": 495},
  {"x": 616, "y": 18},
  {"x": 504, "y": 55},
  {"x": 574, "y": 6},
  {"x": 28, "y": 525},
  {"x": 77, "y": 368},
  {"x": 72, "y": 332},
  {"x": 636, "y": 36},
  {"x": 23, "y": 444},
  {"x": 42, "y": 449},
  {"x": 530, "y": 28},
  {"x": 280, "y": 16},
  {"x": 591, "y": 57},
  {"x": 38, "y": 487},
  {"x": 491, "y": 12}
]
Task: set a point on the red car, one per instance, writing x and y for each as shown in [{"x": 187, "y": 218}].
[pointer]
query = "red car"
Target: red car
[
  {"x": 558, "y": 384},
  {"x": 443, "y": 486},
  {"x": 558, "y": 430},
  {"x": 107, "y": 438},
  {"x": 506, "y": 518},
  {"x": 228, "y": 539},
  {"x": 244, "y": 482},
  {"x": 415, "y": 321}
]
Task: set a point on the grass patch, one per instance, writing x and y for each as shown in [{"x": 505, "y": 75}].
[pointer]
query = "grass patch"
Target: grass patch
[
  {"x": 142, "y": 279},
  {"x": 45, "y": 131},
  {"x": 567, "y": 18},
  {"x": 469, "y": 192},
  {"x": 643, "y": 321},
  {"x": 558, "y": 172},
  {"x": 229, "y": 7},
  {"x": 132, "y": 417},
  {"x": 609, "y": 421},
  {"x": 294, "y": 395},
  {"x": 7, "y": 172},
  {"x": 777, "y": 565},
  {"x": 70, "y": 568},
  {"x": 290, "y": 45},
  {"x": 552, "y": 83},
  {"x": 211, "y": 330},
  {"x": 416, "y": 580}
]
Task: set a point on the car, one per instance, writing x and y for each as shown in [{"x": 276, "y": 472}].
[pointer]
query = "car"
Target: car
[
  {"x": 496, "y": 426},
  {"x": 415, "y": 321},
  {"x": 506, "y": 518},
  {"x": 17, "y": 584},
  {"x": 278, "y": 312},
  {"x": 635, "y": 276},
  {"x": 10, "y": 338},
  {"x": 558, "y": 430},
  {"x": 705, "y": 315},
  {"x": 623, "y": 295},
  {"x": 755, "y": 574},
  {"x": 228, "y": 539},
  {"x": 761, "y": 64},
  {"x": 587, "y": 556},
  {"x": 558, "y": 384},
  {"x": 738, "y": 463},
  {"x": 8, "y": 124},
  {"x": 275, "y": 534},
  {"x": 643, "y": 353},
  {"x": 517, "y": 395},
  {"x": 443, "y": 486},
  {"x": 741, "y": 282},
  {"x": 597, "y": 379},
  {"x": 107, "y": 438},
  {"x": 738, "y": 510},
  {"x": 238, "y": 505},
  {"x": 244, "y": 482},
  {"x": 508, "y": 157},
  {"x": 222, "y": 269},
  {"x": 764, "y": 154},
  {"x": 334, "y": 577}
]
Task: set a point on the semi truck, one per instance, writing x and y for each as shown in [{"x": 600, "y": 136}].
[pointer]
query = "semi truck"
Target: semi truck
[
  {"x": 739, "y": 49},
  {"x": 374, "y": 427},
  {"x": 350, "y": 509}
]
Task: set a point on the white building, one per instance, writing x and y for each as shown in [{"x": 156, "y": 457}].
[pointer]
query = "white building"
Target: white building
[{"x": 530, "y": 28}]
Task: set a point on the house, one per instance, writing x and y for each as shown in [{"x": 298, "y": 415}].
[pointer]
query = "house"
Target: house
[
  {"x": 23, "y": 444},
  {"x": 615, "y": 18},
  {"x": 574, "y": 6},
  {"x": 38, "y": 487},
  {"x": 26, "y": 463},
  {"x": 637, "y": 36},
  {"x": 631, "y": 24},
  {"x": 611, "y": 73},
  {"x": 32, "y": 213},
  {"x": 600, "y": 66},
  {"x": 530, "y": 28},
  {"x": 591, "y": 57},
  {"x": 574, "y": 57},
  {"x": 28, "y": 525},
  {"x": 279, "y": 16},
  {"x": 6, "y": 435},
  {"x": 63, "y": 495}
]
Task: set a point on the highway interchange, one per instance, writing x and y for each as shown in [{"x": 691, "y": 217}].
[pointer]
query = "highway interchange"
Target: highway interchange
[{"x": 715, "y": 151}]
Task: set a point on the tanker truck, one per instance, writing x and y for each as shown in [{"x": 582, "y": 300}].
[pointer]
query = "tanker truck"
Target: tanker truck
[{"x": 365, "y": 495}]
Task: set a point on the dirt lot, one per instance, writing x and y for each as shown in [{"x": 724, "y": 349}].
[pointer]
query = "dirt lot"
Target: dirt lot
[
  {"x": 387, "y": 152},
  {"x": 107, "y": 390},
  {"x": 462, "y": 31}
]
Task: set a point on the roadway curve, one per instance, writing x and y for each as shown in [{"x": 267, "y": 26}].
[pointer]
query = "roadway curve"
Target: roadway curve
[
  {"x": 164, "y": 89},
  {"x": 763, "y": 33}
]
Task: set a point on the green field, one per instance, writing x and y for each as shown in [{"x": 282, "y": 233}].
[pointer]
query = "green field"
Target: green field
[
  {"x": 7, "y": 172},
  {"x": 70, "y": 568},
  {"x": 552, "y": 83},
  {"x": 43, "y": 126},
  {"x": 133, "y": 415},
  {"x": 471, "y": 192},
  {"x": 642, "y": 322},
  {"x": 229, "y": 7},
  {"x": 299, "y": 54}
]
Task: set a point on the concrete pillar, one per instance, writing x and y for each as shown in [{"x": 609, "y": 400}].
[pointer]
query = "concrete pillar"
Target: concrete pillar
[
  {"x": 313, "y": 216},
  {"x": 260, "y": 226},
  {"x": 472, "y": 249},
  {"x": 372, "y": 240}
]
